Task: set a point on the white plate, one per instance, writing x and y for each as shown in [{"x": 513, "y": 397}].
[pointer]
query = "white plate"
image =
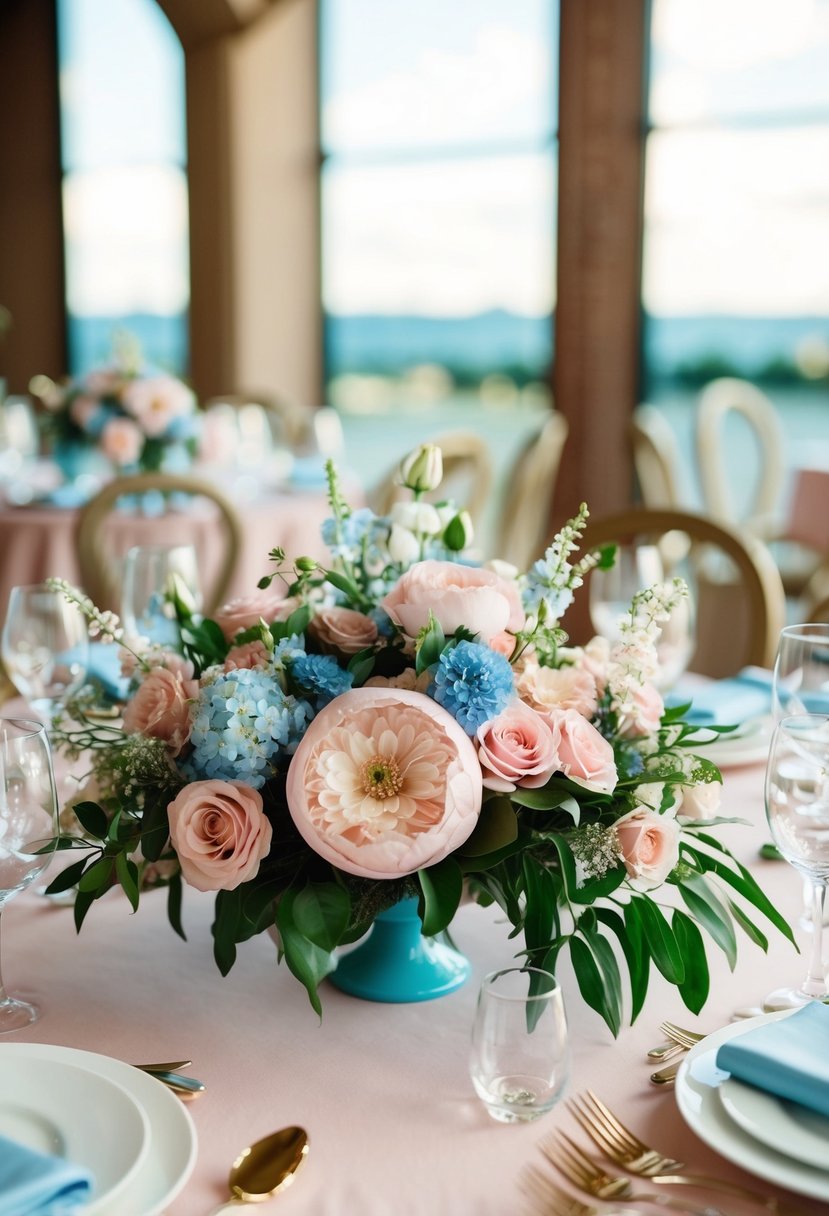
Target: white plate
[
  {"x": 697, "y": 1095},
  {"x": 749, "y": 745},
  {"x": 65, "y": 1111},
  {"x": 788, "y": 1127},
  {"x": 172, "y": 1151}
]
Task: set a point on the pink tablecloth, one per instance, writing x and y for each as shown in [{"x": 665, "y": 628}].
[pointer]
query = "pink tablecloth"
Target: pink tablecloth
[
  {"x": 38, "y": 542},
  {"x": 383, "y": 1090}
]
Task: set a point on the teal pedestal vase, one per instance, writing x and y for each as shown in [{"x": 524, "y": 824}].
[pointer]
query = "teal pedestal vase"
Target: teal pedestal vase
[{"x": 396, "y": 963}]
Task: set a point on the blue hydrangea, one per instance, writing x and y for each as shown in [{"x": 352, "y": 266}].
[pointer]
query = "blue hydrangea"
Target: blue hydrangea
[
  {"x": 244, "y": 723},
  {"x": 545, "y": 584},
  {"x": 320, "y": 678},
  {"x": 344, "y": 537},
  {"x": 473, "y": 683}
]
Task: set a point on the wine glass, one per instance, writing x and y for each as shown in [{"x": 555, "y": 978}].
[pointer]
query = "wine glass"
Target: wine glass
[
  {"x": 151, "y": 573},
  {"x": 637, "y": 567},
  {"x": 28, "y": 829},
  {"x": 44, "y": 646},
  {"x": 797, "y": 809}
]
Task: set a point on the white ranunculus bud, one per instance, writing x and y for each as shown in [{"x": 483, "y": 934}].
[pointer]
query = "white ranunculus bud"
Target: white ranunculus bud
[
  {"x": 459, "y": 532},
  {"x": 422, "y": 469},
  {"x": 417, "y": 517},
  {"x": 403, "y": 546}
]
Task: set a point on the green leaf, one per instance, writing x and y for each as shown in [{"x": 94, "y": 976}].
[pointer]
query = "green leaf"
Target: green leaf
[
  {"x": 344, "y": 584},
  {"x": 98, "y": 877},
  {"x": 695, "y": 986},
  {"x": 497, "y": 826},
  {"x": 548, "y": 800},
  {"x": 155, "y": 827},
  {"x": 599, "y": 888},
  {"x": 83, "y": 902},
  {"x": 591, "y": 981},
  {"x": 638, "y": 958},
  {"x": 127, "y": 872},
  {"x": 306, "y": 961},
  {"x": 611, "y": 976},
  {"x": 321, "y": 913},
  {"x": 540, "y": 913},
  {"x": 707, "y": 909},
  {"x": 442, "y": 887},
  {"x": 67, "y": 878},
  {"x": 743, "y": 883},
  {"x": 613, "y": 921},
  {"x": 607, "y": 557},
  {"x": 568, "y": 864},
  {"x": 93, "y": 819},
  {"x": 660, "y": 940},
  {"x": 430, "y": 645},
  {"x": 228, "y": 911},
  {"x": 296, "y": 623},
  {"x": 748, "y": 926},
  {"x": 174, "y": 892}
]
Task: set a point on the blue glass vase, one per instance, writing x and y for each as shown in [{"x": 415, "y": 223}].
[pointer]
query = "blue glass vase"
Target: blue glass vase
[{"x": 396, "y": 963}]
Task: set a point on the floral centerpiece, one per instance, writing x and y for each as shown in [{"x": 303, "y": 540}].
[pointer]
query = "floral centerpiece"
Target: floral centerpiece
[
  {"x": 403, "y": 722},
  {"x": 133, "y": 416}
]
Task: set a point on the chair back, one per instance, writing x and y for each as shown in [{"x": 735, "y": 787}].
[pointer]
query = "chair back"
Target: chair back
[
  {"x": 99, "y": 567},
  {"x": 467, "y": 476},
  {"x": 531, "y": 482},
  {"x": 656, "y": 457},
  {"x": 740, "y": 603},
  {"x": 717, "y": 401}
]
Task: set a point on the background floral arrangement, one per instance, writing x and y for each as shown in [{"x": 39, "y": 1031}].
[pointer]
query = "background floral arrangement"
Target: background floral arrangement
[
  {"x": 134, "y": 415},
  {"x": 405, "y": 722}
]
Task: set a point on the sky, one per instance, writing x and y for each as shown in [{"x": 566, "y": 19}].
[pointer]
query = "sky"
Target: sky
[{"x": 439, "y": 187}]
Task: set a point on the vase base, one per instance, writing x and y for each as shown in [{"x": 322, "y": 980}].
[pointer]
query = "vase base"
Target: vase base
[{"x": 431, "y": 970}]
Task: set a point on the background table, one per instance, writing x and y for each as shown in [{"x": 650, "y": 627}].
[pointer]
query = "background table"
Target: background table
[{"x": 383, "y": 1090}]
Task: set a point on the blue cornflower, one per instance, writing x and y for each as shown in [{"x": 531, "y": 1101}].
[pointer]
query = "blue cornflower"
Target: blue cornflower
[
  {"x": 320, "y": 678},
  {"x": 473, "y": 683},
  {"x": 244, "y": 723}
]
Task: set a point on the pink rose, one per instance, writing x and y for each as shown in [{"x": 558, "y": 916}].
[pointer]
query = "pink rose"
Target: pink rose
[
  {"x": 478, "y": 599},
  {"x": 244, "y": 612},
  {"x": 122, "y": 441},
  {"x": 251, "y": 654},
  {"x": 220, "y": 833},
  {"x": 343, "y": 630},
  {"x": 161, "y": 708},
  {"x": 649, "y": 846},
  {"x": 594, "y": 658},
  {"x": 643, "y": 714},
  {"x": 548, "y": 688},
  {"x": 586, "y": 756},
  {"x": 517, "y": 748},
  {"x": 156, "y": 401},
  {"x": 384, "y": 782},
  {"x": 700, "y": 801}
]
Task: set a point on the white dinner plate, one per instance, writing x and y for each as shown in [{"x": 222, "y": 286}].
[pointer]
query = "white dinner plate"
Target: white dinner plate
[
  {"x": 788, "y": 1127},
  {"x": 65, "y": 1111},
  {"x": 172, "y": 1145},
  {"x": 748, "y": 745},
  {"x": 698, "y": 1098}
]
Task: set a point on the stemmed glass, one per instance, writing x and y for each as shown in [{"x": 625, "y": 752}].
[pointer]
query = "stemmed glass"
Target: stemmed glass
[
  {"x": 44, "y": 646},
  {"x": 28, "y": 829},
  {"x": 636, "y": 568},
  {"x": 797, "y": 809},
  {"x": 151, "y": 572}
]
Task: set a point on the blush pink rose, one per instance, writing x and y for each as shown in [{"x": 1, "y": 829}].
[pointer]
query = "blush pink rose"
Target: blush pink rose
[
  {"x": 161, "y": 708},
  {"x": 480, "y": 600},
  {"x": 517, "y": 748},
  {"x": 548, "y": 688},
  {"x": 156, "y": 401},
  {"x": 245, "y": 611},
  {"x": 586, "y": 756},
  {"x": 648, "y": 846},
  {"x": 643, "y": 714},
  {"x": 700, "y": 801},
  {"x": 250, "y": 654},
  {"x": 343, "y": 630},
  {"x": 122, "y": 441},
  {"x": 220, "y": 833},
  {"x": 384, "y": 782}
]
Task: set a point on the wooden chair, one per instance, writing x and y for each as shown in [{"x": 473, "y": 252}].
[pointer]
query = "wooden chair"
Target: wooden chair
[
  {"x": 656, "y": 457},
  {"x": 525, "y": 514},
  {"x": 467, "y": 476},
  {"x": 740, "y": 602},
  {"x": 98, "y": 569}
]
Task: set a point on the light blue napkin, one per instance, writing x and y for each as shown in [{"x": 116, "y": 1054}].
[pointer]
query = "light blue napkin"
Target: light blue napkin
[
  {"x": 728, "y": 702},
  {"x": 33, "y": 1184},
  {"x": 788, "y": 1058},
  {"x": 102, "y": 665}
]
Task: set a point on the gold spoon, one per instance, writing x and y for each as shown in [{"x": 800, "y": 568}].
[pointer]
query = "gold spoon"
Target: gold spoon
[{"x": 263, "y": 1169}]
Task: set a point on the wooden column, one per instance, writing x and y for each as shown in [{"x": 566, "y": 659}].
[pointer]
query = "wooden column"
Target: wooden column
[{"x": 596, "y": 375}]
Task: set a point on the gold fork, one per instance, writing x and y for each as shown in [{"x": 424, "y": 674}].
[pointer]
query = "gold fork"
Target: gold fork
[
  {"x": 590, "y": 1176},
  {"x": 683, "y": 1038},
  {"x": 550, "y": 1200},
  {"x": 622, "y": 1147}
]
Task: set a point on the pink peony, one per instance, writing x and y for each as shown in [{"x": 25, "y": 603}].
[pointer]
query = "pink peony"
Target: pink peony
[
  {"x": 517, "y": 748},
  {"x": 548, "y": 688},
  {"x": 478, "y": 599},
  {"x": 244, "y": 612},
  {"x": 586, "y": 756},
  {"x": 220, "y": 833},
  {"x": 156, "y": 401},
  {"x": 343, "y": 630},
  {"x": 642, "y": 716},
  {"x": 122, "y": 441},
  {"x": 700, "y": 801},
  {"x": 161, "y": 708},
  {"x": 251, "y": 654},
  {"x": 648, "y": 845},
  {"x": 384, "y": 783}
]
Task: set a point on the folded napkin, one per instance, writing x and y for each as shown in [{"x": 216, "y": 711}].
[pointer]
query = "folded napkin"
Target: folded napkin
[
  {"x": 34, "y": 1184},
  {"x": 103, "y": 666},
  {"x": 788, "y": 1058},
  {"x": 728, "y": 702}
]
